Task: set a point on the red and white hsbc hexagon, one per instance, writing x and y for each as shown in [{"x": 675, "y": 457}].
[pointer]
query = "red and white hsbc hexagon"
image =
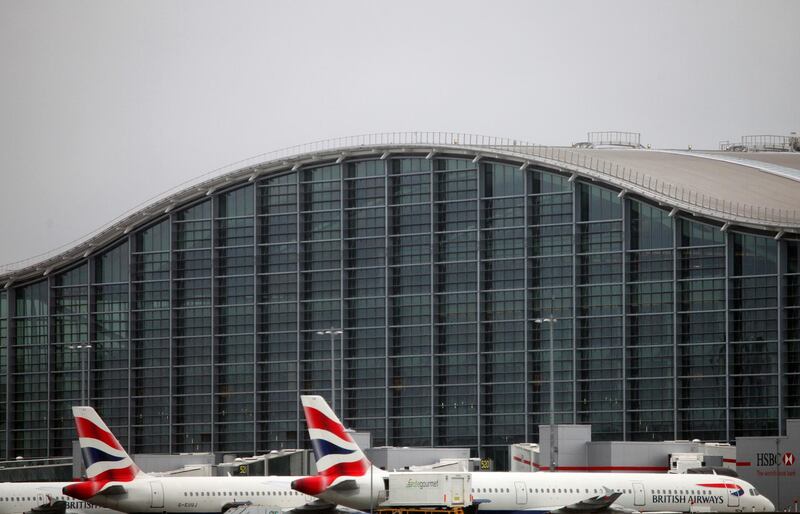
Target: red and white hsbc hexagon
[{"x": 788, "y": 459}]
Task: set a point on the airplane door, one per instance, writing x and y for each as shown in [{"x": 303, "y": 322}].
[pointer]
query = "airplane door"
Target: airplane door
[
  {"x": 156, "y": 495},
  {"x": 638, "y": 493},
  {"x": 458, "y": 491},
  {"x": 522, "y": 493},
  {"x": 733, "y": 493}
]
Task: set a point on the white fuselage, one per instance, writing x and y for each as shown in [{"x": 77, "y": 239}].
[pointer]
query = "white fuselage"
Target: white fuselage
[
  {"x": 198, "y": 495},
  {"x": 501, "y": 492},
  {"x": 19, "y": 497}
]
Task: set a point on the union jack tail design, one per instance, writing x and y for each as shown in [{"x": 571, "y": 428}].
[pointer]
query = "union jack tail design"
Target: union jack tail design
[
  {"x": 105, "y": 459},
  {"x": 336, "y": 453}
]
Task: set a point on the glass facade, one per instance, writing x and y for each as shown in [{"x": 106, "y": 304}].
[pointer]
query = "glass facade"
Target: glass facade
[{"x": 198, "y": 331}]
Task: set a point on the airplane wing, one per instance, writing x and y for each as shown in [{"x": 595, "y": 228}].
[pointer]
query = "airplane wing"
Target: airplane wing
[
  {"x": 51, "y": 507},
  {"x": 595, "y": 504},
  {"x": 315, "y": 507}
]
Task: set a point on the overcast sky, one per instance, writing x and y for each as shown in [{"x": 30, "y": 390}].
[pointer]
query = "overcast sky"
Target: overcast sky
[{"x": 105, "y": 104}]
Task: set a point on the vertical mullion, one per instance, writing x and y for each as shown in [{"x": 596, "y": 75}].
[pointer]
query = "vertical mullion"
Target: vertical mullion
[
  {"x": 298, "y": 290},
  {"x": 11, "y": 337},
  {"x": 342, "y": 258},
  {"x": 526, "y": 175},
  {"x": 479, "y": 189},
  {"x": 625, "y": 221},
  {"x": 781, "y": 336},
  {"x": 675, "y": 380},
  {"x": 432, "y": 193},
  {"x": 255, "y": 316},
  {"x": 575, "y": 269},
  {"x": 171, "y": 345},
  {"x": 213, "y": 339},
  {"x": 50, "y": 349},
  {"x": 91, "y": 307},
  {"x": 130, "y": 242},
  {"x": 728, "y": 257},
  {"x": 386, "y": 257}
]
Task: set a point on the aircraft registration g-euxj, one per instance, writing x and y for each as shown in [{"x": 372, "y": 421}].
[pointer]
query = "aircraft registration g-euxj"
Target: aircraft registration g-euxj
[
  {"x": 347, "y": 478},
  {"x": 114, "y": 481}
]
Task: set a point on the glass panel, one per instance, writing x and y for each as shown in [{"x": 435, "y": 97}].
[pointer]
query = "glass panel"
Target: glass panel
[
  {"x": 754, "y": 255},
  {"x": 650, "y": 227},
  {"x": 698, "y": 234},
  {"x": 597, "y": 203}
]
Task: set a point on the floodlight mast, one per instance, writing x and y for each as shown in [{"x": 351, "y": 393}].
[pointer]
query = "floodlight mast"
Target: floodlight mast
[
  {"x": 553, "y": 448},
  {"x": 333, "y": 332},
  {"x": 79, "y": 347}
]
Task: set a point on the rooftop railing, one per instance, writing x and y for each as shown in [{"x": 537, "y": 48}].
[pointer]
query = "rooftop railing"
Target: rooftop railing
[{"x": 629, "y": 178}]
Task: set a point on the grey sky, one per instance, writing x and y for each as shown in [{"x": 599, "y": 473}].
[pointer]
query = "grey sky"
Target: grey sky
[{"x": 105, "y": 104}]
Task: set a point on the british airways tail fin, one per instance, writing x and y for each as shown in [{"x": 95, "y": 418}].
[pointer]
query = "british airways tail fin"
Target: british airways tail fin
[
  {"x": 336, "y": 452},
  {"x": 104, "y": 457},
  {"x": 341, "y": 465}
]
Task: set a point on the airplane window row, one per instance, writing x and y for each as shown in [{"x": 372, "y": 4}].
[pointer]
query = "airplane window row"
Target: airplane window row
[
  {"x": 242, "y": 493},
  {"x": 681, "y": 491},
  {"x": 537, "y": 490},
  {"x": 30, "y": 499}
]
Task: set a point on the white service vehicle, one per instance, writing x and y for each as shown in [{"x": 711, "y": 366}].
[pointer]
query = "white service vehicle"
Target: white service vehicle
[{"x": 429, "y": 489}]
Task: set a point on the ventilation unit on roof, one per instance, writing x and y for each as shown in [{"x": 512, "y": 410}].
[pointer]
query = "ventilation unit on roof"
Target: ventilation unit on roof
[{"x": 611, "y": 138}]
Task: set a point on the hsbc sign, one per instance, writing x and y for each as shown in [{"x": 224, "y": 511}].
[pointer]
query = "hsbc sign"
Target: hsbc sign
[{"x": 769, "y": 459}]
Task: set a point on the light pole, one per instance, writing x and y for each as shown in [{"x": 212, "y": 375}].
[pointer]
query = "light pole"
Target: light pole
[
  {"x": 333, "y": 332},
  {"x": 79, "y": 347},
  {"x": 553, "y": 448}
]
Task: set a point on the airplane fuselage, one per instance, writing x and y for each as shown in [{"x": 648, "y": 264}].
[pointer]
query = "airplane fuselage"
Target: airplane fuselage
[
  {"x": 20, "y": 497},
  {"x": 200, "y": 495},
  {"x": 500, "y": 492}
]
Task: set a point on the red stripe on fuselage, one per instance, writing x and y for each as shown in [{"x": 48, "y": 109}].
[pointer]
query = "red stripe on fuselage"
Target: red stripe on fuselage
[
  {"x": 720, "y": 486},
  {"x": 320, "y": 421},
  {"x": 89, "y": 430}
]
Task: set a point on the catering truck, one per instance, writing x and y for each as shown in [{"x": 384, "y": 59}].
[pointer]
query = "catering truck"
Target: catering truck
[{"x": 428, "y": 490}]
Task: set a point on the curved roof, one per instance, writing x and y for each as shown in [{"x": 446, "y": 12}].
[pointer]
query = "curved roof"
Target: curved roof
[{"x": 755, "y": 190}]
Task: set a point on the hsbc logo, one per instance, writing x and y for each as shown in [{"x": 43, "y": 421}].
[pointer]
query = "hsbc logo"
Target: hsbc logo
[{"x": 769, "y": 459}]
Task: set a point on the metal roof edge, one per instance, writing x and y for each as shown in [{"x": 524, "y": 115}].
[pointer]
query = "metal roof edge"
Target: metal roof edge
[{"x": 558, "y": 158}]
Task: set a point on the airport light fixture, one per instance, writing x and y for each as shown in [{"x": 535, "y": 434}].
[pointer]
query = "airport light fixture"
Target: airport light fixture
[
  {"x": 333, "y": 332},
  {"x": 553, "y": 448},
  {"x": 87, "y": 347}
]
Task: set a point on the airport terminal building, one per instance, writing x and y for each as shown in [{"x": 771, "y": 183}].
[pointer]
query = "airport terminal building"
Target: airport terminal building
[{"x": 673, "y": 277}]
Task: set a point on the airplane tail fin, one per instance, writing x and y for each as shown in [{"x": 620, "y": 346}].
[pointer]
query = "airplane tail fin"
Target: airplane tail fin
[
  {"x": 337, "y": 454},
  {"x": 103, "y": 456}
]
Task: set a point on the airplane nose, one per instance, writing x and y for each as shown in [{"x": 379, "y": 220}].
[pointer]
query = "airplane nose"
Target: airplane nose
[{"x": 768, "y": 506}]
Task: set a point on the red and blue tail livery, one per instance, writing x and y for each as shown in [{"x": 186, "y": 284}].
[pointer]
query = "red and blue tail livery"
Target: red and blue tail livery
[
  {"x": 338, "y": 456},
  {"x": 336, "y": 452},
  {"x": 105, "y": 459}
]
